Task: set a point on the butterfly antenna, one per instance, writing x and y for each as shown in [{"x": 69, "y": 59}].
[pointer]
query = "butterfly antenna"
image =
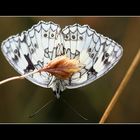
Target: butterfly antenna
[
  {"x": 36, "y": 112},
  {"x": 73, "y": 109}
]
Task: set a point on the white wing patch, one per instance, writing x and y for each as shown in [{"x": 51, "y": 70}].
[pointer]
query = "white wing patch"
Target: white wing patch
[
  {"x": 98, "y": 53},
  {"x": 45, "y": 41}
]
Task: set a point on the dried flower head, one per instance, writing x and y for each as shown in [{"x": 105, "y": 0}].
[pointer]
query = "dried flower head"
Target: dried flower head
[{"x": 62, "y": 67}]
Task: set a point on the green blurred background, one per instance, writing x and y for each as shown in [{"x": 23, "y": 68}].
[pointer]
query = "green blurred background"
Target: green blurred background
[{"x": 18, "y": 99}]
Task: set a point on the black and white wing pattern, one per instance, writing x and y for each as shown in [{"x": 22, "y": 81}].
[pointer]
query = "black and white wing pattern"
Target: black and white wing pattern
[
  {"x": 33, "y": 49},
  {"x": 98, "y": 53}
]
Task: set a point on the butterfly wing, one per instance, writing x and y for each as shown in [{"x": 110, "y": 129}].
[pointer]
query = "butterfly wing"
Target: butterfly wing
[
  {"x": 97, "y": 53},
  {"x": 32, "y": 50}
]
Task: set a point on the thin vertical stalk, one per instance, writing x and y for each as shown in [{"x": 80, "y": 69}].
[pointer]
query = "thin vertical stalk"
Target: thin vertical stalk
[{"x": 123, "y": 84}]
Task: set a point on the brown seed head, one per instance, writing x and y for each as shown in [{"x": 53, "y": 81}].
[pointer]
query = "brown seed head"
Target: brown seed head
[{"x": 62, "y": 67}]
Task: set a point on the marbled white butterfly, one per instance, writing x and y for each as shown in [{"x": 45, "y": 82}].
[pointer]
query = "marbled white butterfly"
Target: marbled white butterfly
[{"x": 45, "y": 42}]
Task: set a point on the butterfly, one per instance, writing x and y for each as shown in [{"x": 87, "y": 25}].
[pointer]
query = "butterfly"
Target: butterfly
[{"x": 45, "y": 42}]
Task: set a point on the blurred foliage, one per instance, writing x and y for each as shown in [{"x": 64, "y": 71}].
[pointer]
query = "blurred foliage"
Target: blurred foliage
[{"x": 18, "y": 99}]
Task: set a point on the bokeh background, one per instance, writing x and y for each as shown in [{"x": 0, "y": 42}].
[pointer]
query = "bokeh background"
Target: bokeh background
[{"x": 18, "y": 99}]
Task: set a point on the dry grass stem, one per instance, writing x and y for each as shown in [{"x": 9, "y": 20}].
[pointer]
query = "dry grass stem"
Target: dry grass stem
[
  {"x": 123, "y": 84},
  {"x": 17, "y": 77},
  {"x": 61, "y": 67}
]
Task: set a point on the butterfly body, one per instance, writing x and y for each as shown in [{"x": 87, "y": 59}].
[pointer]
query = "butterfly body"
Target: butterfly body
[{"x": 45, "y": 42}]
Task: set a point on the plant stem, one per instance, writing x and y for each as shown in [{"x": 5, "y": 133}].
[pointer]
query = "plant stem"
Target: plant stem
[
  {"x": 123, "y": 84},
  {"x": 17, "y": 77}
]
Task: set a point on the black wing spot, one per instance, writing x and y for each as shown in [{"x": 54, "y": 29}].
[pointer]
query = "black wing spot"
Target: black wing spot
[
  {"x": 73, "y": 36},
  {"x": 16, "y": 52},
  {"x": 32, "y": 50},
  {"x": 106, "y": 55},
  {"x": 52, "y": 35},
  {"x": 35, "y": 45},
  {"x": 92, "y": 55},
  {"x": 30, "y": 64},
  {"x": 45, "y": 35},
  {"x": 89, "y": 49},
  {"x": 93, "y": 71},
  {"x": 80, "y": 37},
  {"x": 66, "y": 37},
  {"x": 15, "y": 58},
  {"x": 106, "y": 62},
  {"x": 46, "y": 53}
]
